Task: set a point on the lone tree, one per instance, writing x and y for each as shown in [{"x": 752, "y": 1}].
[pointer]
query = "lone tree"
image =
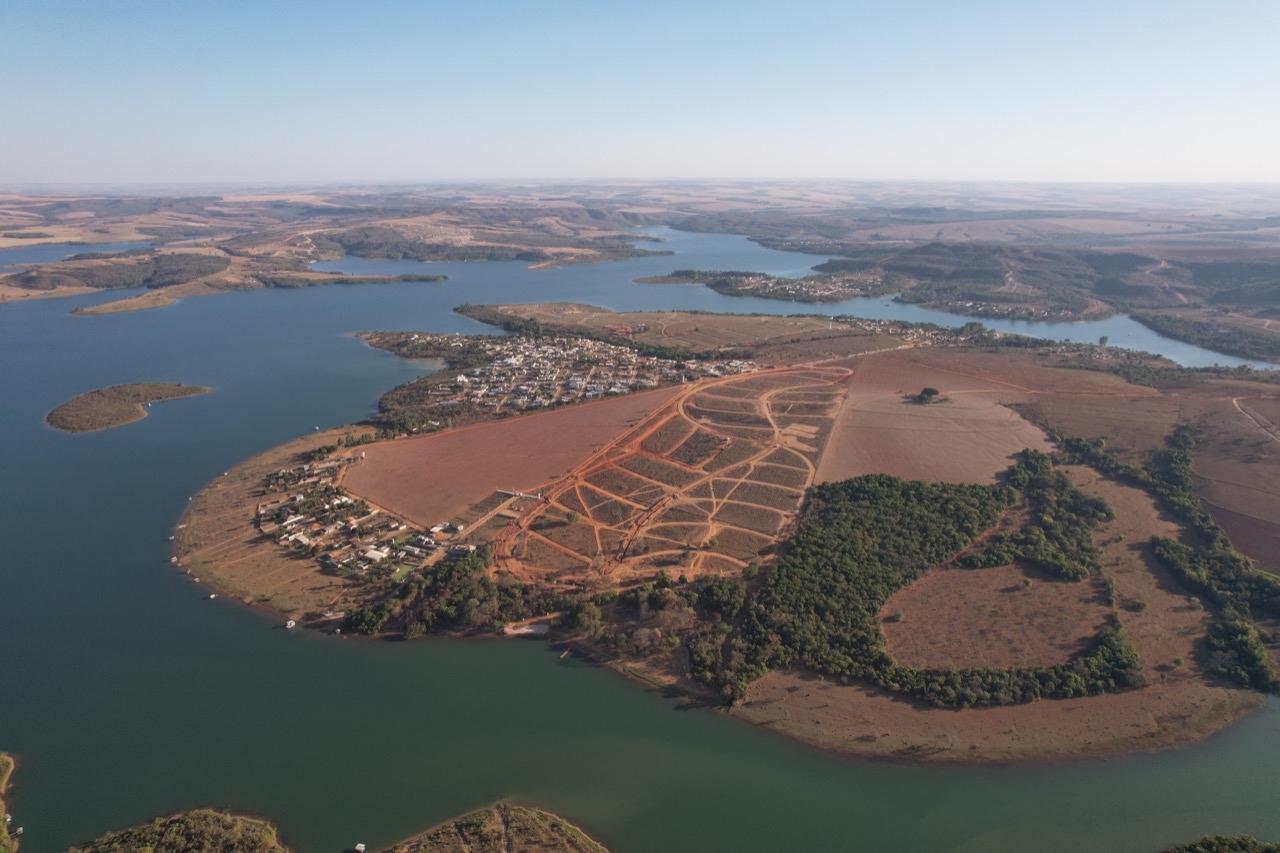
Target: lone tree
[{"x": 927, "y": 395}]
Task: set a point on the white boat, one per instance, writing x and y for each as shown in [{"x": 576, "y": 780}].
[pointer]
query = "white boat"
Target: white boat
[
  {"x": 290, "y": 624},
  {"x": 212, "y": 596}
]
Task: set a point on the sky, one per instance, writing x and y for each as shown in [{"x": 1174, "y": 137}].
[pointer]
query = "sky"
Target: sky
[{"x": 135, "y": 91}]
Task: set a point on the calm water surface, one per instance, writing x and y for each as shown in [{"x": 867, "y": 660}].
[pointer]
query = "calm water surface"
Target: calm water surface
[
  {"x": 127, "y": 694},
  {"x": 47, "y": 253}
]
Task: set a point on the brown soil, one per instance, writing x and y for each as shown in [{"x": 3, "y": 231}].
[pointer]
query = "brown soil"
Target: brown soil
[
  {"x": 966, "y": 438},
  {"x": 432, "y": 478},
  {"x": 635, "y": 505},
  {"x": 1181, "y": 702},
  {"x": 991, "y": 618}
]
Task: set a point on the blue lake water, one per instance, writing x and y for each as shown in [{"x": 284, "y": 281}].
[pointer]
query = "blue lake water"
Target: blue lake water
[
  {"x": 610, "y": 286},
  {"x": 127, "y": 694},
  {"x": 47, "y": 253}
]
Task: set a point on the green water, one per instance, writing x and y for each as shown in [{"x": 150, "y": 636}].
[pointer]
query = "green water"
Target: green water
[{"x": 126, "y": 693}]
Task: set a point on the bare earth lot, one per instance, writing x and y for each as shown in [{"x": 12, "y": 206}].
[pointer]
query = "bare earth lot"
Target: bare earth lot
[
  {"x": 966, "y": 438},
  {"x": 706, "y": 485},
  {"x": 433, "y": 478}
]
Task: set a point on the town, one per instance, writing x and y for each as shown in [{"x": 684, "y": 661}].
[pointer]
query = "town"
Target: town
[
  {"x": 309, "y": 512},
  {"x": 492, "y": 375}
]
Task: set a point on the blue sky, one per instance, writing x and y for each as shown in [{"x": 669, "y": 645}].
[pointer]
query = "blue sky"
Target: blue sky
[{"x": 232, "y": 91}]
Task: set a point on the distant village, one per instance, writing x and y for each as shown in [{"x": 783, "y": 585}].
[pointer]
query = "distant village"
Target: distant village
[
  {"x": 526, "y": 374},
  {"x": 504, "y": 375},
  {"x": 813, "y": 288}
]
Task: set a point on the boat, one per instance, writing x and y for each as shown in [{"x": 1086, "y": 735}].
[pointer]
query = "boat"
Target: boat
[
  {"x": 212, "y": 596},
  {"x": 290, "y": 624}
]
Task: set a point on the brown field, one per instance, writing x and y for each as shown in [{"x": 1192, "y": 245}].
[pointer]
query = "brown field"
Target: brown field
[
  {"x": 1179, "y": 703},
  {"x": 991, "y": 618},
  {"x": 432, "y": 478},
  {"x": 967, "y": 438}
]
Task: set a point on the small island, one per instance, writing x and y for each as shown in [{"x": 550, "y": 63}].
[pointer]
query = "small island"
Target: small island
[
  {"x": 106, "y": 408},
  {"x": 202, "y": 829},
  {"x": 500, "y": 828}
]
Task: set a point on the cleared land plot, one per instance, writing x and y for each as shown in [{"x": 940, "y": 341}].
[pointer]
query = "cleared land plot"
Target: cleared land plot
[
  {"x": 668, "y": 436},
  {"x": 735, "y": 452},
  {"x": 777, "y": 475},
  {"x": 755, "y": 518},
  {"x": 649, "y": 510},
  {"x": 698, "y": 448},
  {"x": 767, "y": 496},
  {"x": 431, "y": 478},
  {"x": 658, "y": 471},
  {"x": 967, "y": 439}
]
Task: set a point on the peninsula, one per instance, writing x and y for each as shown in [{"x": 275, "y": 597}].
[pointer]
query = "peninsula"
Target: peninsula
[
  {"x": 117, "y": 405},
  {"x": 1035, "y": 591}
]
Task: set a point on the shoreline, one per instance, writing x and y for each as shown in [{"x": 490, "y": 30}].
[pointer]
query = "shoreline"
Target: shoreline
[
  {"x": 8, "y": 766},
  {"x": 1202, "y": 730}
]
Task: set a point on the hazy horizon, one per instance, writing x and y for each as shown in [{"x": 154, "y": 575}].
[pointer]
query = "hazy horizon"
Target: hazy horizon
[{"x": 289, "y": 93}]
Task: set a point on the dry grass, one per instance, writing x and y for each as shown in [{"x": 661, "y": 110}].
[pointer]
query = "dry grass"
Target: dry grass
[
  {"x": 991, "y": 618},
  {"x": 968, "y": 438}
]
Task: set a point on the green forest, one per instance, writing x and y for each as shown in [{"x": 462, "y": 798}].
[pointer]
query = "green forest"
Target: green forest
[
  {"x": 1234, "y": 340},
  {"x": 862, "y": 540}
]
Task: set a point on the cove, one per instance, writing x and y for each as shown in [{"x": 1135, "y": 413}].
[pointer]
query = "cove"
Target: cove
[{"x": 126, "y": 693}]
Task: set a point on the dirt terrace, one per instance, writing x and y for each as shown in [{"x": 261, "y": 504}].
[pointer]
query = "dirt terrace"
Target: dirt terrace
[{"x": 705, "y": 485}]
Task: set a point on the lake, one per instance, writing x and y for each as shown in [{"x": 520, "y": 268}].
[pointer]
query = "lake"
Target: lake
[
  {"x": 17, "y": 257},
  {"x": 128, "y": 694}
]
